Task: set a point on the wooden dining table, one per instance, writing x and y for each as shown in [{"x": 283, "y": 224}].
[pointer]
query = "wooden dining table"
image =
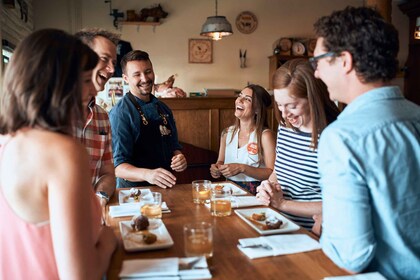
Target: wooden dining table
[{"x": 228, "y": 262}]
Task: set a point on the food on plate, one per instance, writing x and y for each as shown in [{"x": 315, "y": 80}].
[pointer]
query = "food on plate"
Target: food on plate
[
  {"x": 140, "y": 223},
  {"x": 135, "y": 194},
  {"x": 258, "y": 216},
  {"x": 273, "y": 223},
  {"x": 218, "y": 187},
  {"x": 149, "y": 238}
]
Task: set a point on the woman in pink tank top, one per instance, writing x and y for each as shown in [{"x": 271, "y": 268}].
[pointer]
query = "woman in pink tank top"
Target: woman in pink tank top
[{"x": 51, "y": 219}]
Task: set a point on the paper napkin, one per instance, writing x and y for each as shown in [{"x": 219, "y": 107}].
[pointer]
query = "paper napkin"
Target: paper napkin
[
  {"x": 362, "y": 276},
  {"x": 165, "y": 268},
  {"x": 131, "y": 209},
  {"x": 245, "y": 201},
  {"x": 280, "y": 245}
]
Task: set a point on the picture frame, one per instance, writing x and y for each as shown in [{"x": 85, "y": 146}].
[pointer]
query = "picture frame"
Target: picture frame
[{"x": 200, "y": 51}]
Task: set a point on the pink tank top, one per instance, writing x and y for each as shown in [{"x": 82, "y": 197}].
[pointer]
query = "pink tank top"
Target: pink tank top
[{"x": 26, "y": 249}]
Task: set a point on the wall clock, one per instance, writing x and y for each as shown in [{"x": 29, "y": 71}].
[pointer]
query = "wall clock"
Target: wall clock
[
  {"x": 246, "y": 22},
  {"x": 200, "y": 51}
]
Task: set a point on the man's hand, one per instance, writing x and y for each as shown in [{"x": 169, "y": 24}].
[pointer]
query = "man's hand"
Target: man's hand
[
  {"x": 214, "y": 171},
  {"x": 270, "y": 193},
  {"x": 161, "y": 178},
  {"x": 179, "y": 163},
  {"x": 231, "y": 169}
]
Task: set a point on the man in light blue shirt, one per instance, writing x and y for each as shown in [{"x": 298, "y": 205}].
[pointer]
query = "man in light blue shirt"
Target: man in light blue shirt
[{"x": 369, "y": 159}]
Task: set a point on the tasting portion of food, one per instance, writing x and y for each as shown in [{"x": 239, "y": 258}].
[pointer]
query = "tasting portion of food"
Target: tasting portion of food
[
  {"x": 270, "y": 222},
  {"x": 135, "y": 194},
  {"x": 273, "y": 223},
  {"x": 149, "y": 238},
  {"x": 141, "y": 224},
  {"x": 259, "y": 216},
  {"x": 218, "y": 187}
]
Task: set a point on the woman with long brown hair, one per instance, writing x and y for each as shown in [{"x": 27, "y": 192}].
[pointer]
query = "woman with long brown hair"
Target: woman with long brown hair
[
  {"x": 246, "y": 154},
  {"x": 305, "y": 110},
  {"x": 50, "y": 215}
]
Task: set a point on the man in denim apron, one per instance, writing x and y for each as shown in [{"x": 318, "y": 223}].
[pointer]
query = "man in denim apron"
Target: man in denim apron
[{"x": 144, "y": 135}]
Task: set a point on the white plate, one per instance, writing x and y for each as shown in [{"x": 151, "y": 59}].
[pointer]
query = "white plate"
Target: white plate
[
  {"x": 235, "y": 189},
  {"x": 132, "y": 240},
  {"x": 124, "y": 196},
  {"x": 287, "y": 226}
]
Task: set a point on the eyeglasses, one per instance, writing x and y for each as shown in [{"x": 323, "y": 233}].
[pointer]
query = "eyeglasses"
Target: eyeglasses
[{"x": 314, "y": 60}]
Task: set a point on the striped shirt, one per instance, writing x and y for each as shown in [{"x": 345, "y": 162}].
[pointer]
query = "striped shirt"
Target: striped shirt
[
  {"x": 96, "y": 136},
  {"x": 296, "y": 168}
]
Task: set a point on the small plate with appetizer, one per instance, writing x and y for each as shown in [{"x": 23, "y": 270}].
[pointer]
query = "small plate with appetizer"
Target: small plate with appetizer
[
  {"x": 235, "y": 189},
  {"x": 266, "y": 221},
  {"x": 138, "y": 237},
  {"x": 134, "y": 195}
]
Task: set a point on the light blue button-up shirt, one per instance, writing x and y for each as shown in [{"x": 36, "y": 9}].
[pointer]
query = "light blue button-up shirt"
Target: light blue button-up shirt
[{"x": 369, "y": 161}]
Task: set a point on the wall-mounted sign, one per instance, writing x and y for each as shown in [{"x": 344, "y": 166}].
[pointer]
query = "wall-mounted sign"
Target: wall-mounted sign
[
  {"x": 200, "y": 51},
  {"x": 246, "y": 22}
]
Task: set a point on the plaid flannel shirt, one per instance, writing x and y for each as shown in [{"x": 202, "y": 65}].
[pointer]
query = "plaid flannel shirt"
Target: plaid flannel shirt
[{"x": 96, "y": 136}]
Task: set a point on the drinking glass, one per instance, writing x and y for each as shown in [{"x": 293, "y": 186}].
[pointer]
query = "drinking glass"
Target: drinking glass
[
  {"x": 201, "y": 190},
  {"x": 198, "y": 239},
  {"x": 220, "y": 202},
  {"x": 152, "y": 209}
]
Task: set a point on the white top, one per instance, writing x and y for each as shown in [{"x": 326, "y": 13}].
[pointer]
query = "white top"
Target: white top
[{"x": 247, "y": 154}]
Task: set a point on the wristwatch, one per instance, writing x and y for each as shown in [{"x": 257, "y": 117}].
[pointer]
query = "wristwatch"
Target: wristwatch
[{"x": 103, "y": 195}]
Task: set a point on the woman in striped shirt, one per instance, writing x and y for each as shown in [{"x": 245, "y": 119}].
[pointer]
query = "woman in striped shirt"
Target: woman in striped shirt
[{"x": 305, "y": 110}]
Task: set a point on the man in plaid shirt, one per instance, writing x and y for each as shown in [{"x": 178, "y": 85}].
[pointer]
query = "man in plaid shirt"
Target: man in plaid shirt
[{"x": 96, "y": 133}]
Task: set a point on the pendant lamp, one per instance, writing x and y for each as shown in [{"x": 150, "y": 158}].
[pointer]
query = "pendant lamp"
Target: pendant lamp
[{"x": 216, "y": 27}]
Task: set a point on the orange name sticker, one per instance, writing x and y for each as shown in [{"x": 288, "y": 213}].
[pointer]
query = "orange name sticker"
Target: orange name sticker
[{"x": 252, "y": 148}]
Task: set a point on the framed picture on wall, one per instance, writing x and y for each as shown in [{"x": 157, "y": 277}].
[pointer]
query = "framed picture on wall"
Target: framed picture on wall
[{"x": 200, "y": 51}]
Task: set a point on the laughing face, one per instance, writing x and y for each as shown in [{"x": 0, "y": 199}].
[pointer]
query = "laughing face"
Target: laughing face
[
  {"x": 295, "y": 111},
  {"x": 107, "y": 53},
  {"x": 140, "y": 78},
  {"x": 243, "y": 104}
]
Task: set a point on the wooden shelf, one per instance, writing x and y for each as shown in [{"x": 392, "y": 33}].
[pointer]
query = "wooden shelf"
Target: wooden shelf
[{"x": 140, "y": 23}]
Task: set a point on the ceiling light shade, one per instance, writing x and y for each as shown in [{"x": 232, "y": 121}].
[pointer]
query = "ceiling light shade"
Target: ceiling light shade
[{"x": 216, "y": 27}]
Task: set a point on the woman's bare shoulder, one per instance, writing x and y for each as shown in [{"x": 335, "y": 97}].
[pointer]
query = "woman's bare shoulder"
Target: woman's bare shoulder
[{"x": 45, "y": 145}]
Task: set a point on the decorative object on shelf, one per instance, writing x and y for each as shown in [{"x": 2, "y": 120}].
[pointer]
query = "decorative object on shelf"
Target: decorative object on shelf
[
  {"x": 417, "y": 29},
  {"x": 246, "y": 22},
  {"x": 200, "y": 51},
  {"x": 310, "y": 46},
  {"x": 242, "y": 57},
  {"x": 216, "y": 27},
  {"x": 132, "y": 16},
  {"x": 298, "y": 48},
  {"x": 155, "y": 14},
  {"x": 114, "y": 13},
  {"x": 285, "y": 45}
]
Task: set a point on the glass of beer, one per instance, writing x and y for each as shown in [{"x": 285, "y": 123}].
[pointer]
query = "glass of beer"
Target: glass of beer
[
  {"x": 152, "y": 209},
  {"x": 201, "y": 191},
  {"x": 220, "y": 202},
  {"x": 198, "y": 239}
]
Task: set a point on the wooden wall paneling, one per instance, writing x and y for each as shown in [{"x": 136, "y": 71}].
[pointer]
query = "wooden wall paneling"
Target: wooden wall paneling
[
  {"x": 214, "y": 132},
  {"x": 191, "y": 124}
]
